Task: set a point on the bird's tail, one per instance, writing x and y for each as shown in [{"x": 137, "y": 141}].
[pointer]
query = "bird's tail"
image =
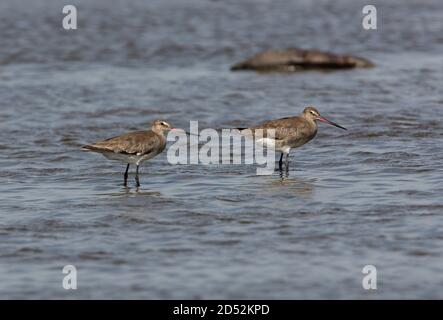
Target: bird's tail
[{"x": 89, "y": 147}]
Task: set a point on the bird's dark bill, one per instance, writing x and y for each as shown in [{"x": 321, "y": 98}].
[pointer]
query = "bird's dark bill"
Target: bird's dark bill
[{"x": 331, "y": 123}]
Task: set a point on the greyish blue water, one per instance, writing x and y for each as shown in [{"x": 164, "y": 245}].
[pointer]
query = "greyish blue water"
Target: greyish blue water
[{"x": 371, "y": 195}]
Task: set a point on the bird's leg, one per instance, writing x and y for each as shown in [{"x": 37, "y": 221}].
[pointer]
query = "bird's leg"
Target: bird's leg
[
  {"x": 287, "y": 165},
  {"x": 125, "y": 176},
  {"x": 137, "y": 180},
  {"x": 280, "y": 163}
]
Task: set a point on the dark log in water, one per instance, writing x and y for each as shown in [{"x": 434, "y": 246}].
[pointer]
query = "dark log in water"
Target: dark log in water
[{"x": 295, "y": 59}]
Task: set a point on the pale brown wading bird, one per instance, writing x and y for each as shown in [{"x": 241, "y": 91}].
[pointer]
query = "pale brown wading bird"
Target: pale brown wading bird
[
  {"x": 291, "y": 132},
  {"x": 133, "y": 147}
]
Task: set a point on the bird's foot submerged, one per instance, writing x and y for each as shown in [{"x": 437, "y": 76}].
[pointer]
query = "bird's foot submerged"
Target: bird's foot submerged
[{"x": 284, "y": 174}]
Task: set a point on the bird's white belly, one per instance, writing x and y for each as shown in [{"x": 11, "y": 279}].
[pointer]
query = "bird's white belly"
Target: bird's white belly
[
  {"x": 284, "y": 149},
  {"x": 266, "y": 142},
  {"x": 270, "y": 143},
  {"x": 128, "y": 158}
]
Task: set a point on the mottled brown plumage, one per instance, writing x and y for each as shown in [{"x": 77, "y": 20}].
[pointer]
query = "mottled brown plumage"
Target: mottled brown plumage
[
  {"x": 288, "y": 133},
  {"x": 133, "y": 143},
  {"x": 133, "y": 147}
]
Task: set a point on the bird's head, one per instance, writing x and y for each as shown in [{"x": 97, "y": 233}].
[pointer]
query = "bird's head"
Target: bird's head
[
  {"x": 160, "y": 126},
  {"x": 312, "y": 114}
]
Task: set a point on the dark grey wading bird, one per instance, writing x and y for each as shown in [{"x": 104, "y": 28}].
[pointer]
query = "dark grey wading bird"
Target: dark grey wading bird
[
  {"x": 133, "y": 147},
  {"x": 291, "y": 132}
]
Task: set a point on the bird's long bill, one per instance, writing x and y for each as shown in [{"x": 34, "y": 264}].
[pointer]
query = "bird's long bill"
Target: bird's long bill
[
  {"x": 183, "y": 130},
  {"x": 322, "y": 119}
]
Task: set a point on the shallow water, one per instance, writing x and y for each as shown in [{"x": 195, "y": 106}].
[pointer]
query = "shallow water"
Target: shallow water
[{"x": 370, "y": 195}]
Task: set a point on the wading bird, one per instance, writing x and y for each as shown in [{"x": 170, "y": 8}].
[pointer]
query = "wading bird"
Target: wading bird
[
  {"x": 289, "y": 133},
  {"x": 133, "y": 147}
]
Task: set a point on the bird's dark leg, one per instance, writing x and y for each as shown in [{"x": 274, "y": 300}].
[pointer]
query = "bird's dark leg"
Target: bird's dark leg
[
  {"x": 287, "y": 162},
  {"x": 125, "y": 176},
  {"x": 137, "y": 180},
  {"x": 280, "y": 163}
]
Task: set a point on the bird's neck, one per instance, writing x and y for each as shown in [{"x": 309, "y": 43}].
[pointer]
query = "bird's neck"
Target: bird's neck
[
  {"x": 158, "y": 131},
  {"x": 311, "y": 122}
]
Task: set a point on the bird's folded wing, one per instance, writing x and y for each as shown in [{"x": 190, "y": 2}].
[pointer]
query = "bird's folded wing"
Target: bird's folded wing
[
  {"x": 138, "y": 143},
  {"x": 282, "y": 128}
]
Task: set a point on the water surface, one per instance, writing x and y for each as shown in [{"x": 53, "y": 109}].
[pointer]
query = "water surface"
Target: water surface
[{"x": 370, "y": 195}]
